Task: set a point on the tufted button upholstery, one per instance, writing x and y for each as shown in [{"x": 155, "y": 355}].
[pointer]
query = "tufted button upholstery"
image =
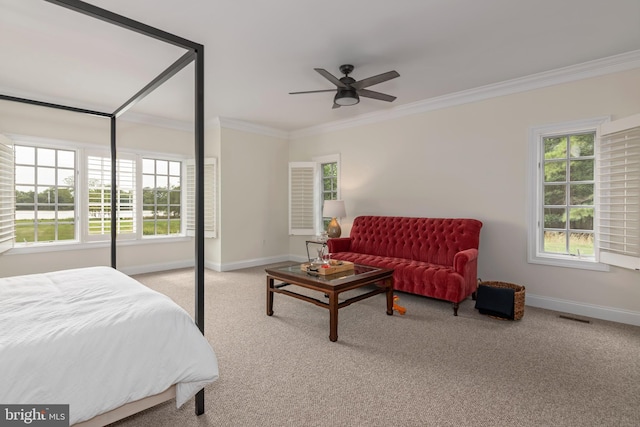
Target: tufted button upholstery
[{"x": 434, "y": 257}]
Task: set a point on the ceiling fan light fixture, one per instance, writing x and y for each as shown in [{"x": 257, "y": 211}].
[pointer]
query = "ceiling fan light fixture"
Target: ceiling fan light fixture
[{"x": 346, "y": 97}]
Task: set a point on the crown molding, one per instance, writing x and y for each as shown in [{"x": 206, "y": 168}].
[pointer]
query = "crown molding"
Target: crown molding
[{"x": 599, "y": 67}]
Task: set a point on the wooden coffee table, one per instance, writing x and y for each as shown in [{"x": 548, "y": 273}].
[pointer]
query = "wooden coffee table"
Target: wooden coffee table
[{"x": 332, "y": 286}]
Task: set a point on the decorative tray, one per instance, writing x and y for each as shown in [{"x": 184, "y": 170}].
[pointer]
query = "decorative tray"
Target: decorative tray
[{"x": 334, "y": 266}]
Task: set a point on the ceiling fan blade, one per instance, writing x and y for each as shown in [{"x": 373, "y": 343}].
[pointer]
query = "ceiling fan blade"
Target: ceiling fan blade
[
  {"x": 327, "y": 75},
  {"x": 335, "y": 106},
  {"x": 375, "y": 95},
  {"x": 312, "y": 91},
  {"x": 370, "y": 81}
]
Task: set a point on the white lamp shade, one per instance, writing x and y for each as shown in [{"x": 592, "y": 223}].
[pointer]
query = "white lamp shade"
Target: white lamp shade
[{"x": 333, "y": 209}]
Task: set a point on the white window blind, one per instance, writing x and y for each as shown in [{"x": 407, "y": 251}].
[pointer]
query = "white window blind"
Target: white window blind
[
  {"x": 210, "y": 197},
  {"x": 7, "y": 194},
  {"x": 618, "y": 193},
  {"x": 302, "y": 197},
  {"x": 99, "y": 196}
]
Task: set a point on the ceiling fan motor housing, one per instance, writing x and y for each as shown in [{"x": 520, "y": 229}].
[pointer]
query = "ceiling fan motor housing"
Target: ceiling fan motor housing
[{"x": 346, "y": 69}]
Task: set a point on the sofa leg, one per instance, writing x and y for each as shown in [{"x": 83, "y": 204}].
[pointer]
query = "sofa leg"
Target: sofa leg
[{"x": 455, "y": 308}]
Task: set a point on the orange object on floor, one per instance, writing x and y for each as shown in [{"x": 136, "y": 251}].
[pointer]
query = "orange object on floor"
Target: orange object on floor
[{"x": 397, "y": 307}]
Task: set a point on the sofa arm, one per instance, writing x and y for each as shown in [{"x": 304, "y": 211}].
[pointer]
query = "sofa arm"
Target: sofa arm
[
  {"x": 463, "y": 260},
  {"x": 340, "y": 244}
]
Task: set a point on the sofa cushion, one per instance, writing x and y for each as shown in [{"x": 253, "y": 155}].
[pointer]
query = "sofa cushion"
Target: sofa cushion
[{"x": 416, "y": 277}]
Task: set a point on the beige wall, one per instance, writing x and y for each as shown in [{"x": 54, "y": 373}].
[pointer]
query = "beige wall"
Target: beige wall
[
  {"x": 471, "y": 161},
  {"x": 253, "y": 199},
  {"x": 39, "y": 122}
]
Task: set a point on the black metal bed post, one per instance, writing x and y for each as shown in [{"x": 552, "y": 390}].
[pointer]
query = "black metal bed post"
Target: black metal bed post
[
  {"x": 199, "y": 202},
  {"x": 55, "y": 106},
  {"x": 198, "y": 49},
  {"x": 114, "y": 193}
]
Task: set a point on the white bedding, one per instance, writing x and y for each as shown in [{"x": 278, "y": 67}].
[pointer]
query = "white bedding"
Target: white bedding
[{"x": 95, "y": 339}]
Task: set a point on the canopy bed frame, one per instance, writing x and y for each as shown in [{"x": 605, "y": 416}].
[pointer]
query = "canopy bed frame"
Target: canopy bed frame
[{"x": 195, "y": 53}]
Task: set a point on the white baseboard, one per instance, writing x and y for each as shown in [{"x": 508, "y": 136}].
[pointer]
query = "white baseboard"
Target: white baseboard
[{"x": 582, "y": 309}]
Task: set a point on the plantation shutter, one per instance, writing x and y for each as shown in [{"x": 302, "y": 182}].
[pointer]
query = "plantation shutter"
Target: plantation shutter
[
  {"x": 210, "y": 197},
  {"x": 618, "y": 192},
  {"x": 302, "y": 202},
  {"x": 7, "y": 195},
  {"x": 99, "y": 197}
]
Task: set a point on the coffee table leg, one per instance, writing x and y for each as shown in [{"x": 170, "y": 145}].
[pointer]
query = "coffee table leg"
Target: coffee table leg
[
  {"x": 269, "y": 296},
  {"x": 389, "y": 284},
  {"x": 333, "y": 316}
]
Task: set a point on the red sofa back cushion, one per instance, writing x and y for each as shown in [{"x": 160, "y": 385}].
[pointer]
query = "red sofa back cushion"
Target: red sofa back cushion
[{"x": 433, "y": 240}]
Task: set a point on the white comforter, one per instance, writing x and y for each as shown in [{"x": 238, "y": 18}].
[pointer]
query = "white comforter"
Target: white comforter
[{"x": 95, "y": 339}]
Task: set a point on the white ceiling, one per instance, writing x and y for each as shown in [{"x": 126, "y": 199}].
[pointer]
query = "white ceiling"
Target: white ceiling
[{"x": 258, "y": 51}]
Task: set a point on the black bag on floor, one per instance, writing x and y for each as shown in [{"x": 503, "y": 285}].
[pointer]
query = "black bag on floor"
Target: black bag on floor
[{"x": 495, "y": 301}]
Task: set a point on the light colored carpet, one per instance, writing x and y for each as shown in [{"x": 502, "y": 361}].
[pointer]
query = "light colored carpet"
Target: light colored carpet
[{"x": 427, "y": 368}]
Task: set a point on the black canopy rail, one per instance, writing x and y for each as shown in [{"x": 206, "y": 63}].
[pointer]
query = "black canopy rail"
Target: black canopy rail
[{"x": 195, "y": 53}]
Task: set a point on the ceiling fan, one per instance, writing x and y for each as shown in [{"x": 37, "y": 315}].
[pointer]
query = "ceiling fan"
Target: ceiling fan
[{"x": 348, "y": 90}]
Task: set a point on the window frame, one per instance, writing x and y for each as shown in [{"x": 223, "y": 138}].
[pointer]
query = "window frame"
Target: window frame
[
  {"x": 321, "y": 222},
  {"x": 535, "y": 199},
  {"x": 82, "y": 153},
  {"x": 156, "y": 174},
  {"x": 43, "y": 144}
]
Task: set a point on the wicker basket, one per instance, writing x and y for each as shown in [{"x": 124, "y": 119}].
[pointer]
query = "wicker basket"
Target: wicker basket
[{"x": 518, "y": 296}]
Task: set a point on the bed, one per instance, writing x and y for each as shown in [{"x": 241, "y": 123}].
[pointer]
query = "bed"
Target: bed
[
  {"x": 97, "y": 339},
  {"x": 94, "y": 338}
]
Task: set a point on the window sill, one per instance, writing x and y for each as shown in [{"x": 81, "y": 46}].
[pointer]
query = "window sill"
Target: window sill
[
  {"x": 568, "y": 263},
  {"x": 77, "y": 246}
]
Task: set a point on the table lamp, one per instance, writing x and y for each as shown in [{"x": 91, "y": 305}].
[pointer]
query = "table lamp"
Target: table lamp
[{"x": 333, "y": 209}]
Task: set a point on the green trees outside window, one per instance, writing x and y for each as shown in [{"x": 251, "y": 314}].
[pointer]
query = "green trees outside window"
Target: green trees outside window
[
  {"x": 161, "y": 201},
  {"x": 569, "y": 194},
  {"x": 329, "y": 185}
]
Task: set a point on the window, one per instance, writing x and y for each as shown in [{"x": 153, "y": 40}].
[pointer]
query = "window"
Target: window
[
  {"x": 310, "y": 184},
  {"x": 57, "y": 193},
  {"x": 329, "y": 185},
  {"x": 562, "y": 195},
  {"x": 45, "y": 188},
  {"x": 567, "y": 171},
  {"x": 161, "y": 195}
]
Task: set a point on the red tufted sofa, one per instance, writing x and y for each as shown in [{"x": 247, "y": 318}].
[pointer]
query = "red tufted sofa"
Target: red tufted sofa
[{"x": 434, "y": 257}]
